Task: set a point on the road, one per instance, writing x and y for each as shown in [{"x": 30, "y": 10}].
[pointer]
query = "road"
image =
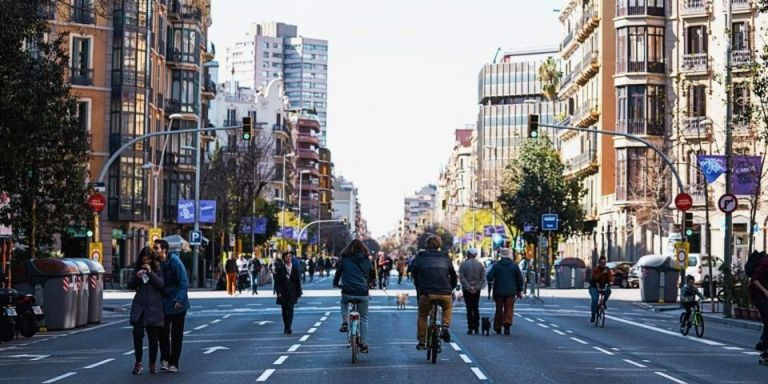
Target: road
[{"x": 240, "y": 340}]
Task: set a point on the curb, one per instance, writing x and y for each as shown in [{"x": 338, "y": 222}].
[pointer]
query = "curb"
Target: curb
[{"x": 657, "y": 308}]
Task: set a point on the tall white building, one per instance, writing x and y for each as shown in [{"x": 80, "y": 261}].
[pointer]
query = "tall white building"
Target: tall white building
[
  {"x": 272, "y": 50},
  {"x": 345, "y": 201}
]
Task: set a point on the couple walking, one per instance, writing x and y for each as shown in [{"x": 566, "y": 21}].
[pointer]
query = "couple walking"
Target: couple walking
[{"x": 159, "y": 307}]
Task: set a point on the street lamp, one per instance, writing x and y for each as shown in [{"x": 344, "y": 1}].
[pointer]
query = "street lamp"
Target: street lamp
[
  {"x": 196, "y": 249},
  {"x": 301, "y": 189},
  {"x": 285, "y": 201}
]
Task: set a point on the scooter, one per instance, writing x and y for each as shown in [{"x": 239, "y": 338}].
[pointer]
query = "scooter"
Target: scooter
[
  {"x": 7, "y": 314},
  {"x": 29, "y": 314}
]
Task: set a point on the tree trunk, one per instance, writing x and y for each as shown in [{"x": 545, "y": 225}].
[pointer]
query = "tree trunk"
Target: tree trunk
[{"x": 33, "y": 231}]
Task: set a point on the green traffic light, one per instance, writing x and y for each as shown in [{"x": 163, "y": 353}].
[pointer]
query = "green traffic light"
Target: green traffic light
[
  {"x": 534, "y": 134},
  {"x": 246, "y": 136},
  {"x": 89, "y": 233},
  {"x": 688, "y": 232}
]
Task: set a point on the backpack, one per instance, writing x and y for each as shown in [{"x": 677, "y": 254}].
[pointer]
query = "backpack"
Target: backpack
[{"x": 752, "y": 261}]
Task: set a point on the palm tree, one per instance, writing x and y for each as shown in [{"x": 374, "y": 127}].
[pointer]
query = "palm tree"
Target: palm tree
[{"x": 550, "y": 76}]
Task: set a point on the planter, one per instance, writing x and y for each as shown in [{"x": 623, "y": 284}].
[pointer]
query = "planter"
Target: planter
[
  {"x": 738, "y": 312},
  {"x": 753, "y": 314}
]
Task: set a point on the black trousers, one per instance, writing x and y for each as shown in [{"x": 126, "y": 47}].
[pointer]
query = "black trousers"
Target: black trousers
[
  {"x": 153, "y": 334},
  {"x": 171, "y": 337},
  {"x": 762, "y": 306},
  {"x": 472, "y": 300},
  {"x": 287, "y": 310}
]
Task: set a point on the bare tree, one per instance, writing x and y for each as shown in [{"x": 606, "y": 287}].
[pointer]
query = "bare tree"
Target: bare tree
[{"x": 649, "y": 193}]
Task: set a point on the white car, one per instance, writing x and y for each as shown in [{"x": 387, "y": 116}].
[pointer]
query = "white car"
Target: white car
[{"x": 698, "y": 267}]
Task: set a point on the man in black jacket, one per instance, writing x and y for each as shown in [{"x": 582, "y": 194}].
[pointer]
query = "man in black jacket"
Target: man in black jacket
[
  {"x": 354, "y": 274},
  {"x": 434, "y": 278}
]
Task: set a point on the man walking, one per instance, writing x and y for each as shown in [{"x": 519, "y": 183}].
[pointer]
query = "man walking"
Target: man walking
[
  {"x": 507, "y": 285},
  {"x": 472, "y": 277},
  {"x": 231, "y": 269},
  {"x": 175, "y": 306},
  {"x": 254, "y": 267}
]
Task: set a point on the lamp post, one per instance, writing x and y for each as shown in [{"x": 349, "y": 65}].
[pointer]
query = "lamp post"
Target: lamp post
[
  {"x": 301, "y": 189},
  {"x": 285, "y": 201},
  {"x": 196, "y": 248}
]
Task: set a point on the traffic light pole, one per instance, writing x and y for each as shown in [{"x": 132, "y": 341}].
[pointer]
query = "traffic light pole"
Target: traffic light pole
[{"x": 301, "y": 233}]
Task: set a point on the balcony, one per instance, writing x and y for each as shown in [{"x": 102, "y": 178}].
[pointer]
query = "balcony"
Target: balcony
[
  {"x": 741, "y": 5},
  {"x": 568, "y": 39},
  {"x": 175, "y": 106},
  {"x": 696, "y": 128},
  {"x": 640, "y": 127},
  {"x": 587, "y": 115},
  {"x": 178, "y": 12},
  {"x": 695, "y": 62},
  {"x": 308, "y": 139},
  {"x": 741, "y": 58},
  {"x": 209, "y": 88},
  {"x": 566, "y": 80},
  {"x": 81, "y": 15},
  {"x": 742, "y": 129},
  {"x": 637, "y": 8},
  {"x": 589, "y": 21},
  {"x": 590, "y": 66},
  {"x": 582, "y": 164},
  {"x": 81, "y": 76},
  {"x": 697, "y": 192},
  {"x": 308, "y": 154},
  {"x": 694, "y": 8}
]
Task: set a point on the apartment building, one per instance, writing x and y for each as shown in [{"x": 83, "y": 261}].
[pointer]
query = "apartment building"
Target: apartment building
[{"x": 454, "y": 186}]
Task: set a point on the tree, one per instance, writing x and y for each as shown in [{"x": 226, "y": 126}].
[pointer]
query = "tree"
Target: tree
[
  {"x": 44, "y": 147},
  {"x": 650, "y": 196},
  {"x": 550, "y": 77},
  {"x": 445, "y": 236}
]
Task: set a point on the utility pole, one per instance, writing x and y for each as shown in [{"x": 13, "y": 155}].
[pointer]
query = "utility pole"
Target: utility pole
[{"x": 728, "y": 241}]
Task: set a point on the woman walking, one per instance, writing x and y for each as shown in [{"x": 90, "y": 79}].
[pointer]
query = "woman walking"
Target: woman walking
[
  {"x": 147, "y": 308},
  {"x": 288, "y": 287}
]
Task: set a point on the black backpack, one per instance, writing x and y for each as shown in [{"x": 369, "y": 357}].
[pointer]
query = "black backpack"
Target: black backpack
[{"x": 752, "y": 261}]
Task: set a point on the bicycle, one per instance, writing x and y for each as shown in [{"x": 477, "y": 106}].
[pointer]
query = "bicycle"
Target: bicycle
[
  {"x": 353, "y": 330},
  {"x": 693, "y": 318},
  {"x": 600, "y": 314},
  {"x": 434, "y": 333}
]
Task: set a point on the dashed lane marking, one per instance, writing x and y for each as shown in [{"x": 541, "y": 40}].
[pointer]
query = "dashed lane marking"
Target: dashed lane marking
[
  {"x": 609, "y": 353},
  {"x": 226, "y": 316},
  {"x": 264, "y": 376},
  {"x": 312, "y": 330},
  {"x": 324, "y": 318},
  {"x": 540, "y": 319},
  {"x": 199, "y": 327},
  {"x": 94, "y": 365},
  {"x": 294, "y": 347},
  {"x": 215, "y": 321},
  {"x": 455, "y": 347},
  {"x": 559, "y": 332},
  {"x": 224, "y": 305},
  {"x": 280, "y": 360},
  {"x": 664, "y": 375},
  {"x": 554, "y": 325},
  {"x": 57, "y": 378},
  {"x": 734, "y": 348},
  {"x": 615, "y": 349},
  {"x": 328, "y": 313},
  {"x": 465, "y": 358},
  {"x": 319, "y": 323},
  {"x": 579, "y": 340},
  {"x": 751, "y": 353},
  {"x": 186, "y": 332},
  {"x": 635, "y": 364},
  {"x": 304, "y": 338},
  {"x": 542, "y": 325},
  {"x": 569, "y": 331},
  {"x": 479, "y": 374},
  {"x": 529, "y": 320}
]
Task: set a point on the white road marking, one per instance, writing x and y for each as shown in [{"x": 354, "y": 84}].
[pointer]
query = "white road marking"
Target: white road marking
[
  {"x": 253, "y": 305},
  {"x": 529, "y": 320},
  {"x": 671, "y": 333},
  {"x": 264, "y": 376},
  {"x": 131, "y": 351},
  {"x": 304, "y": 338},
  {"x": 226, "y": 316},
  {"x": 559, "y": 332},
  {"x": 281, "y": 359},
  {"x": 604, "y": 351},
  {"x": 635, "y": 364},
  {"x": 734, "y": 348},
  {"x": 579, "y": 340},
  {"x": 215, "y": 321},
  {"x": 318, "y": 324},
  {"x": 57, "y": 378},
  {"x": 455, "y": 347},
  {"x": 569, "y": 331},
  {"x": 199, "y": 327},
  {"x": 752, "y": 353},
  {"x": 465, "y": 358},
  {"x": 97, "y": 364},
  {"x": 646, "y": 361},
  {"x": 312, "y": 330},
  {"x": 479, "y": 374},
  {"x": 518, "y": 315},
  {"x": 324, "y": 318},
  {"x": 554, "y": 325},
  {"x": 224, "y": 305},
  {"x": 186, "y": 332},
  {"x": 294, "y": 347},
  {"x": 664, "y": 375},
  {"x": 540, "y": 319},
  {"x": 615, "y": 349},
  {"x": 327, "y": 313}
]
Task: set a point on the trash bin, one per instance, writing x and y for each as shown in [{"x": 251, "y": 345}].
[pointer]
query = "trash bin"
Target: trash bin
[
  {"x": 83, "y": 294},
  {"x": 95, "y": 283},
  {"x": 53, "y": 282},
  {"x": 658, "y": 279},
  {"x": 569, "y": 273}
]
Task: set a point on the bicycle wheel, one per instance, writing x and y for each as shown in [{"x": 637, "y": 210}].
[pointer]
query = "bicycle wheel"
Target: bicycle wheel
[
  {"x": 600, "y": 320},
  {"x": 698, "y": 321},
  {"x": 435, "y": 346},
  {"x": 429, "y": 343},
  {"x": 353, "y": 340},
  {"x": 684, "y": 326}
]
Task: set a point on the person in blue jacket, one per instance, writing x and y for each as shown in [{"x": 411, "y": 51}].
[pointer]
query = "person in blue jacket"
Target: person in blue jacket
[
  {"x": 175, "y": 306},
  {"x": 354, "y": 276}
]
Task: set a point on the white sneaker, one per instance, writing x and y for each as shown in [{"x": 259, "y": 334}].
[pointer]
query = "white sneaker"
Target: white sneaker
[
  {"x": 172, "y": 369},
  {"x": 163, "y": 365}
]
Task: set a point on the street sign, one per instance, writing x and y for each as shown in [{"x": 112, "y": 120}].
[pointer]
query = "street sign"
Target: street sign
[
  {"x": 549, "y": 222},
  {"x": 728, "y": 203},
  {"x": 195, "y": 237},
  {"x": 97, "y": 202},
  {"x": 519, "y": 244},
  {"x": 96, "y": 252},
  {"x": 154, "y": 235},
  {"x": 231, "y": 239},
  {"x": 681, "y": 254},
  {"x": 99, "y": 187},
  {"x": 683, "y": 201}
]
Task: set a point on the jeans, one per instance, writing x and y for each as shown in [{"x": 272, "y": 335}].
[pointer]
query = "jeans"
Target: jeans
[
  {"x": 287, "y": 312},
  {"x": 362, "y": 308},
  {"x": 425, "y": 306},
  {"x": 505, "y": 312},
  {"x": 254, "y": 282},
  {"x": 472, "y": 301},
  {"x": 153, "y": 334},
  {"x": 171, "y": 338},
  {"x": 595, "y": 294}
]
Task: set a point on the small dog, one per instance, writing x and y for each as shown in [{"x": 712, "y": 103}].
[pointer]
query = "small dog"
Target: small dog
[
  {"x": 457, "y": 295},
  {"x": 402, "y": 300},
  {"x": 486, "y": 324}
]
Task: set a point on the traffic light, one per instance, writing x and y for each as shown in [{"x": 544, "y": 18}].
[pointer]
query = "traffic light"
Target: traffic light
[
  {"x": 533, "y": 126},
  {"x": 247, "y": 126},
  {"x": 688, "y": 223}
]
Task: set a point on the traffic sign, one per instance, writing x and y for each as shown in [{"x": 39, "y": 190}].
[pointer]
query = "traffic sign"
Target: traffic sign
[
  {"x": 97, "y": 202},
  {"x": 549, "y": 222},
  {"x": 96, "y": 252},
  {"x": 683, "y": 201},
  {"x": 728, "y": 203},
  {"x": 681, "y": 253},
  {"x": 154, "y": 235},
  {"x": 195, "y": 237}
]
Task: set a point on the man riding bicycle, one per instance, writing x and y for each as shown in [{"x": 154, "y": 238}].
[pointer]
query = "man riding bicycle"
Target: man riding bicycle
[
  {"x": 354, "y": 275},
  {"x": 434, "y": 278},
  {"x": 601, "y": 280}
]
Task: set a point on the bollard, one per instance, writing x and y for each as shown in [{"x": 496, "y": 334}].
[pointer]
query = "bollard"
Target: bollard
[{"x": 661, "y": 287}]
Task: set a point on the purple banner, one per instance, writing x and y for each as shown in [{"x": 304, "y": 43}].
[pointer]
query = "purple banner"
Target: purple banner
[
  {"x": 500, "y": 230},
  {"x": 746, "y": 174},
  {"x": 487, "y": 230}
]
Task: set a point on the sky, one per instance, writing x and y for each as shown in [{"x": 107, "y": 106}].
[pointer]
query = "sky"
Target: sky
[{"x": 402, "y": 76}]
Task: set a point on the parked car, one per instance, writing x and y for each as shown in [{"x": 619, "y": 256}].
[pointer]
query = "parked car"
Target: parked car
[
  {"x": 698, "y": 267},
  {"x": 620, "y": 271}
]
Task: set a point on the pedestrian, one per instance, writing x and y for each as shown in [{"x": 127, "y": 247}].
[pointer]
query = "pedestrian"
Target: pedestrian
[
  {"x": 524, "y": 264},
  {"x": 312, "y": 265},
  {"x": 288, "y": 286},
  {"x": 231, "y": 269},
  {"x": 400, "y": 269},
  {"x": 758, "y": 289},
  {"x": 507, "y": 286},
  {"x": 146, "y": 308},
  {"x": 354, "y": 274},
  {"x": 276, "y": 263},
  {"x": 383, "y": 265},
  {"x": 175, "y": 306},
  {"x": 472, "y": 277},
  {"x": 328, "y": 266},
  {"x": 254, "y": 267},
  {"x": 320, "y": 266},
  {"x": 303, "y": 269}
]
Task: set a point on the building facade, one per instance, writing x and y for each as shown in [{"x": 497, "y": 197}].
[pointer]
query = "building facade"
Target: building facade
[
  {"x": 418, "y": 213},
  {"x": 454, "y": 187}
]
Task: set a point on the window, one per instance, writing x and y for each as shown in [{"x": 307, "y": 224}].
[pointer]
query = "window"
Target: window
[
  {"x": 696, "y": 40},
  {"x": 741, "y": 107},
  {"x": 184, "y": 45},
  {"x": 621, "y": 50},
  {"x": 266, "y": 55},
  {"x": 655, "y": 49},
  {"x": 637, "y": 49},
  {"x": 697, "y": 101},
  {"x": 265, "y": 45},
  {"x": 81, "y": 71},
  {"x": 275, "y": 45},
  {"x": 739, "y": 37},
  {"x": 82, "y": 12},
  {"x": 640, "y": 109},
  {"x": 83, "y": 117},
  {"x": 277, "y": 55},
  {"x": 184, "y": 90}
]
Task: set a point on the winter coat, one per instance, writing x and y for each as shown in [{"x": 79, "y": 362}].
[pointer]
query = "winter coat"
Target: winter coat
[
  {"x": 433, "y": 273},
  {"x": 355, "y": 273},
  {"x": 600, "y": 275},
  {"x": 506, "y": 278},
  {"x": 288, "y": 287},
  {"x": 230, "y": 266},
  {"x": 176, "y": 286},
  {"x": 148, "y": 300},
  {"x": 472, "y": 275},
  {"x": 761, "y": 275}
]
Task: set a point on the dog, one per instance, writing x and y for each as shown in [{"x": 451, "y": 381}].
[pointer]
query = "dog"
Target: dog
[
  {"x": 486, "y": 325},
  {"x": 402, "y": 300},
  {"x": 457, "y": 296}
]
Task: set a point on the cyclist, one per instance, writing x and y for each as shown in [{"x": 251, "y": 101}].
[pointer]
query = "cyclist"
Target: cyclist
[
  {"x": 601, "y": 277},
  {"x": 435, "y": 279},
  {"x": 689, "y": 295},
  {"x": 354, "y": 275}
]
